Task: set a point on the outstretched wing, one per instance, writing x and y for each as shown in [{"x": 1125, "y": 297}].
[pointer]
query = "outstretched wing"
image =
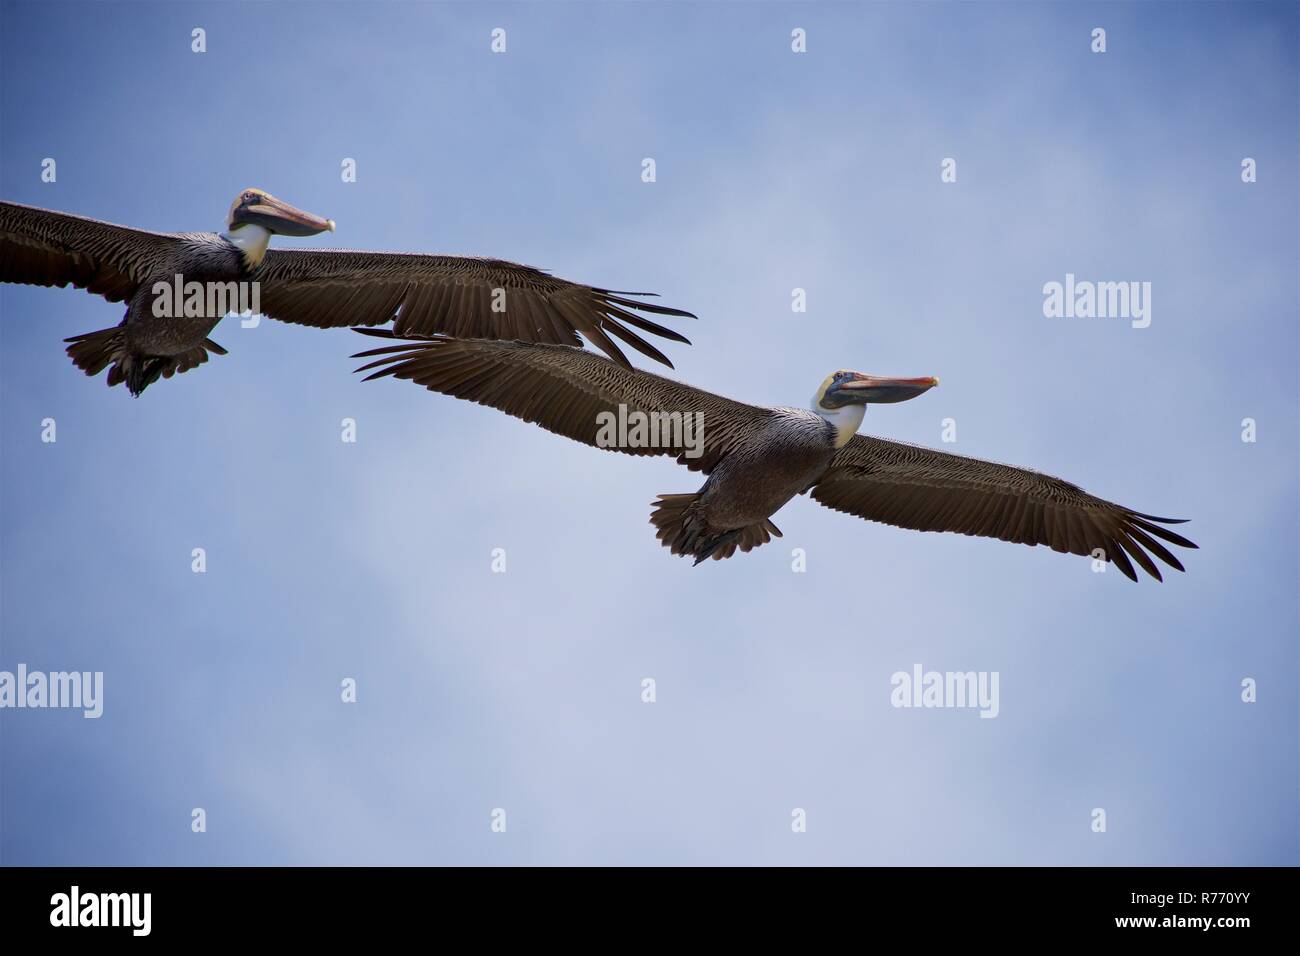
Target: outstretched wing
[
  {"x": 458, "y": 296},
  {"x": 574, "y": 393},
  {"x": 927, "y": 490},
  {"x": 43, "y": 247}
]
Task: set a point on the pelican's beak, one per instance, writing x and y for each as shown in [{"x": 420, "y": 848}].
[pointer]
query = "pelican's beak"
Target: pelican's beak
[
  {"x": 283, "y": 219},
  {"x": 875, "y": 390}
]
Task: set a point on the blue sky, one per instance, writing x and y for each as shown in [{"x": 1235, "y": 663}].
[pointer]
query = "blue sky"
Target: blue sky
[{"x": 522, "y": 690}]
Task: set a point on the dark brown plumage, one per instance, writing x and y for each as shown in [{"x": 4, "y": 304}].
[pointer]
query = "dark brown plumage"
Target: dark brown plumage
[
  {"x": 322, "y": 288},
  {"x": 453, "y": 295},
  {"x": 927, "y": 490},
  {"x": 759, "y": 458}
]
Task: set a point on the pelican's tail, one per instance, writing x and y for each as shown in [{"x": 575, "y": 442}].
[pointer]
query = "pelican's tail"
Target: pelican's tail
[
  {"x": 684, "y": 531},
  {"x": 92, "y": 352}
]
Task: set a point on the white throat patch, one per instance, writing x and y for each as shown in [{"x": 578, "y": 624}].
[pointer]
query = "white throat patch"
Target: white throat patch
[
  {"x": 846, "y": 419},
  {"x": 252, "y": 240}
]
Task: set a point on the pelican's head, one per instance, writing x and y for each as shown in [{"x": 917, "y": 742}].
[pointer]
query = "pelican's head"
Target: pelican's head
[
  {"x": 854, "y": 388},
  {"x": 843, "y": 397},
  {"x": 255, "y": 207}
]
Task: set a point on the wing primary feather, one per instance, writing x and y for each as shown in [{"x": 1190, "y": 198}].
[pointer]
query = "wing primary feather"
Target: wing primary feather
[
  {"x": 381, "y": 333},
  {"x": 1120, "y": 559},
  {"x": 1162, "y": 520},
  {"x": 645, "y": 306},
  {"x": 1140, "y": 556},
  {"x": 646, "y": 325},
  {"x": 1155, "y": 547},
  {"x": 638, "y": 343},
  {"x": 1170, "y": 536}
]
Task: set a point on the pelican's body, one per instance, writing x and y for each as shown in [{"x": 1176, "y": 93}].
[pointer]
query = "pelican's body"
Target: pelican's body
[
  {"x": 758, "y": 458},
  {"x": 780, "y": 458},
  {"x": 323, "y": 288},
  {"x": 152, "y": 343}
]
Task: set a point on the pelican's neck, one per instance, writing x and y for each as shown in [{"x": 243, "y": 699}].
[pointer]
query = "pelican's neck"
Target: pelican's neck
[
  {"x": 845, "y": 419},
  {"x": 251, "y": 240}
]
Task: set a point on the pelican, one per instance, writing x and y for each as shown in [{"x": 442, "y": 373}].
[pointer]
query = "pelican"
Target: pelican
[
  {"x": 324, "y": 288},
  {"x": 756, "y": 459}
]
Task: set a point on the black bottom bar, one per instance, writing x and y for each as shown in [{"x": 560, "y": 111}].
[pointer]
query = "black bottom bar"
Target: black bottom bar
[{"x": 212, "y": 905}]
